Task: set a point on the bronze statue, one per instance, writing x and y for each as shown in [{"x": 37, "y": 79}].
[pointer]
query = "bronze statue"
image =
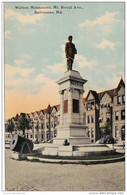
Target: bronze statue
[{"x": 70, "y": 52}]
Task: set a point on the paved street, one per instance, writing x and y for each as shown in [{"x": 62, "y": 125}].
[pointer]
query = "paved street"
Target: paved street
[{"x": 30, "y": 176}]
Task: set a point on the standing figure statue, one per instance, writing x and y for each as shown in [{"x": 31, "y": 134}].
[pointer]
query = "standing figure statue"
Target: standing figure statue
[{"x": 70, "y": 52}]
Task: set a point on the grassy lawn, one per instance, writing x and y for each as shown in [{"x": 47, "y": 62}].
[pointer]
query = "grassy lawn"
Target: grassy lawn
[{"x": 116, "y": 155}]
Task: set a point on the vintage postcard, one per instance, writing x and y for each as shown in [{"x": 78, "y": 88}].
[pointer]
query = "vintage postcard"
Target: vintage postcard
[{"x": 64, "y": 86}]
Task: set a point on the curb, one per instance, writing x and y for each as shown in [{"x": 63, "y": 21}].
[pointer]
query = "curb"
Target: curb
[{"x": 87, "y": 162}]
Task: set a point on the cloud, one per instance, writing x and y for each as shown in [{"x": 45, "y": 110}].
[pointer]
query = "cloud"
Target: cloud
[
  {"x": 115, "y": 79},
  {"x": 24, "y": 19},
  {"x": 19, "y": 62},
  {"x": 17, "y": 78},
  {"x": 7, "y": 34},
  {"x": 26, "y": 31},
  {"x": 17, "y": 101},
  {"x": 23, "y": 60},
  {"x": 45, "y": 60},
  {"x": 82, "y": 61},
  {"x": 63, "y": 47},
  {"x": 57, "y": 68},
  {"x": 106, "y": 44},
  {"x": 27, "y": 56},
  {"x": 12, "y": 83},
  {"x": 61, "y": 51},
  {"x": 28, "y": 95},
  {"x": 10, "y": 71},
  {"x": 40, "y": 78},
  {"x": 107, "y": 18}
]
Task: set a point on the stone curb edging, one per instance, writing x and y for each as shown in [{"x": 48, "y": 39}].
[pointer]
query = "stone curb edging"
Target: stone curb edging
[{"x": 47, "y": 160}]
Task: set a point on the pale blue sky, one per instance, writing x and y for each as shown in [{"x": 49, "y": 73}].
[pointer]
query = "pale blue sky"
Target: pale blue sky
[{"x": 34, "y": 47}]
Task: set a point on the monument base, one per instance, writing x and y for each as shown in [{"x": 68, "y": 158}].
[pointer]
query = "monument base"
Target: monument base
[
  {"x": 74, "y": 133},
  {"x": 72, "y": 141},
  {"x": 79, "y": 150},
  {"x": 71, "y": 129}
]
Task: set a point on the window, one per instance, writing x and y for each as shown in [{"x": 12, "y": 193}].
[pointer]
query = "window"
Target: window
[
  {"x": 119, "y": 100},
  {"x": 47, "y": 125},
  {"x": 88, "y": 119},
  {"x": 75, "y": 106},
  {"x": 47, "y": 115},
  {"x": 88, "y": 106},
  {"x": 88, "y": 133},
  {"x": 122, "y": 114},
  {"x": 41, "y": 117},
  {"x": 117, "y": 115},
  {"x": 116, "y": 131},
  {"x": 92, "y": 119},
  {"x": 92, "y": 132},
  {"x": 42, "y": 136},
  {"x": 42, "y": 126},
  {"x": 123, "y": 132},
  {"x": 55, "y": 133},
  {"x": 55, "y": 123},
  {"x": 123, "y": 99},
  {"x": 37, "y": 125},
  {"x": 52, "y": 124},
  {"x": 36, "y": 136},
  {"x": 65, "y": 106},
  {"x": 101, "y": 118},
  {"x": 9, "y": 136},
  {"x": 108, "y": 116},
  {"x": 92, "y": 105},
  {"x": 102, "y": 105}
]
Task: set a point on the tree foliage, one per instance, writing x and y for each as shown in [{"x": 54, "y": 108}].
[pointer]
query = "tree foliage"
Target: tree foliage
[
  {"x": 9, "y": 126},
  {"x": 23, "y": 123},
  {"x": 107, "y": 128}
]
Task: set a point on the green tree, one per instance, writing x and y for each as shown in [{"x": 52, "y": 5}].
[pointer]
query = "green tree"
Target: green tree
[
  {"x": 107, "y": 128},
  {"x": 23, "y": 123},
  {"x": 9, "y": 126}
]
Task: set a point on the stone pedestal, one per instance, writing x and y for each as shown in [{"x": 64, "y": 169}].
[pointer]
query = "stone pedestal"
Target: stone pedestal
[
  {"x": 71, "y": 110},
  {"x": 71, "y": 125}
]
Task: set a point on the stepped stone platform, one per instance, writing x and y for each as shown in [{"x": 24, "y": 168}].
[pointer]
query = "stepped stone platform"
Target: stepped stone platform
[
  {"x": 80, "y": 161},
  {"x": 78, "y": 150}
]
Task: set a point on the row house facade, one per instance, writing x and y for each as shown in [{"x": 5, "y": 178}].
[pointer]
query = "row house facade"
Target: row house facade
[
  {"x": 119, "y": 112},
  {"x": 103, "y": 111},
  {"x": 91, "y": 115},
  {"x": 43, "y": 124},
  {"x": 106, "y": 111}
]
